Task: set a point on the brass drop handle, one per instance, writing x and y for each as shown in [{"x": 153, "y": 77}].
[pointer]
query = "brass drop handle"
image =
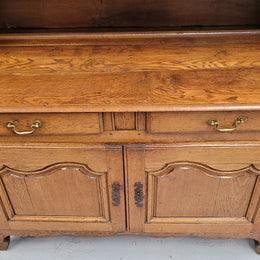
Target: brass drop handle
[
  {"x": 239, "y": 120},
  {"x": 36, "y": 124}
]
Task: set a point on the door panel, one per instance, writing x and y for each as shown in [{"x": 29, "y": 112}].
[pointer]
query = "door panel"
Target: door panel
[
  {"x": 61, "y": 189},
  {"x": 195, "y": 190},
  {"x": 70, "y": 194},
  {"x": 185, "y": 186}
]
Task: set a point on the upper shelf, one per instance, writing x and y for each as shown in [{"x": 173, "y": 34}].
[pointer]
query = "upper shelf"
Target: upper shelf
[{"x": 16, "y": 14}]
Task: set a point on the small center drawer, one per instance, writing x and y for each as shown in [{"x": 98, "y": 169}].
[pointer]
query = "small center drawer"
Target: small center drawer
[
  {"x": 198, "y": 122},
  {"x": 50, "y": 124}
]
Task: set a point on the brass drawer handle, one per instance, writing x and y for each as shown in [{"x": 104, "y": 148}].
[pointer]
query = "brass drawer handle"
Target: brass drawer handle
[
  {"x": 239, "y": 120},
  {"x": 36, "y": 124}
]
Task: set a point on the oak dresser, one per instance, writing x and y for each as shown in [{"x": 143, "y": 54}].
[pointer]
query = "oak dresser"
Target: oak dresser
[{"x": 131, "y": 117}]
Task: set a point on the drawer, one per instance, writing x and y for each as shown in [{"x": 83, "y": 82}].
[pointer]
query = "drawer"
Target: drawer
[
  {"x": 222, "y": 122},
  {"x": 50, "y": 124}
]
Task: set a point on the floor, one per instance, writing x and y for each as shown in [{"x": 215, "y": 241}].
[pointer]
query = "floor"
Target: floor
[{"x": 128, "y": 248}]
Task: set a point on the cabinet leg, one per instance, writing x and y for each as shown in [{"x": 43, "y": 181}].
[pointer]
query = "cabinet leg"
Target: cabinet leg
[
  {"x": 4, "y": 243},
  {"x": 257, "y": 246}
]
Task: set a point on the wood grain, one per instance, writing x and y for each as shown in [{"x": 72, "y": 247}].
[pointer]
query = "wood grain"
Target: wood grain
[
  {"x": 65, "y": 195},
  {"x": 184, "y": 187},
  {"x": 188, "y": 37},
  {"x": 115, "y": 165},
  {"x": 69, "y": 60},
  {"x": 197, "y": 71},
  {"x": 134, "y": 167},
  {"x": 137, "y": 136},
  {"x": 221, "y": 156},
  {"x": 206, "y": 228},
  {"x": 124, "y": 121},
  {"x": 191, "y": 122},
  {"x": 184, "y": 198},
  {"x": 44, "y": 199},
  {"x": 53, "y": 123},
  {"x": 130, "y": 91},
  {"x": 44, "y": 155},
  {"x": 3, "y": 217}
]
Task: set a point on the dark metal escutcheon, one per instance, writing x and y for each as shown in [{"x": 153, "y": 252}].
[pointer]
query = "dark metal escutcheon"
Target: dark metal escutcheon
[
  {"x": 116, "y": 194},
  {"x": 139, "y": 196}
]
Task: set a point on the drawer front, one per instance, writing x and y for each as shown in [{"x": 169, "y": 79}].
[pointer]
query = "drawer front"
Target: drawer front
[
  {"x": 199, "y": 122},
  {"x": 50, "y": 124}
]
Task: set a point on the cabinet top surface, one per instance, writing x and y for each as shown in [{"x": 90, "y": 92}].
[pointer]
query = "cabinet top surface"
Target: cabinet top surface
[{"x": 153, "y": 71}]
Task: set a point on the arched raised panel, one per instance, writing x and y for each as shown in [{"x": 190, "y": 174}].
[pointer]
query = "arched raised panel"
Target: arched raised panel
[
  {"x": 190, "y": 191},
  {"x": 60, "y": 190}
]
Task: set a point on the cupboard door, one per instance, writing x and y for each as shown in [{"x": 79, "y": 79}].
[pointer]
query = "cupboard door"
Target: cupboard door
[
  {"x": 193, "y": 189},
  {"x": 63, "y": 188}
]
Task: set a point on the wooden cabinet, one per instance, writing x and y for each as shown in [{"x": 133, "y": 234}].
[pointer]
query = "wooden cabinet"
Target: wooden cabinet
[
  {"x": 176, "y": 189},
  {"x": 140, "y": 117}
]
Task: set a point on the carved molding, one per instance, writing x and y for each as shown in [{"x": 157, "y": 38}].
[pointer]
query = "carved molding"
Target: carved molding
[
  {"x": 170, "y": 167},
  {"x": 131, "y": 117},
  {"x": 83, "y": 168},
  {"x": 100, "y": 179}
]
